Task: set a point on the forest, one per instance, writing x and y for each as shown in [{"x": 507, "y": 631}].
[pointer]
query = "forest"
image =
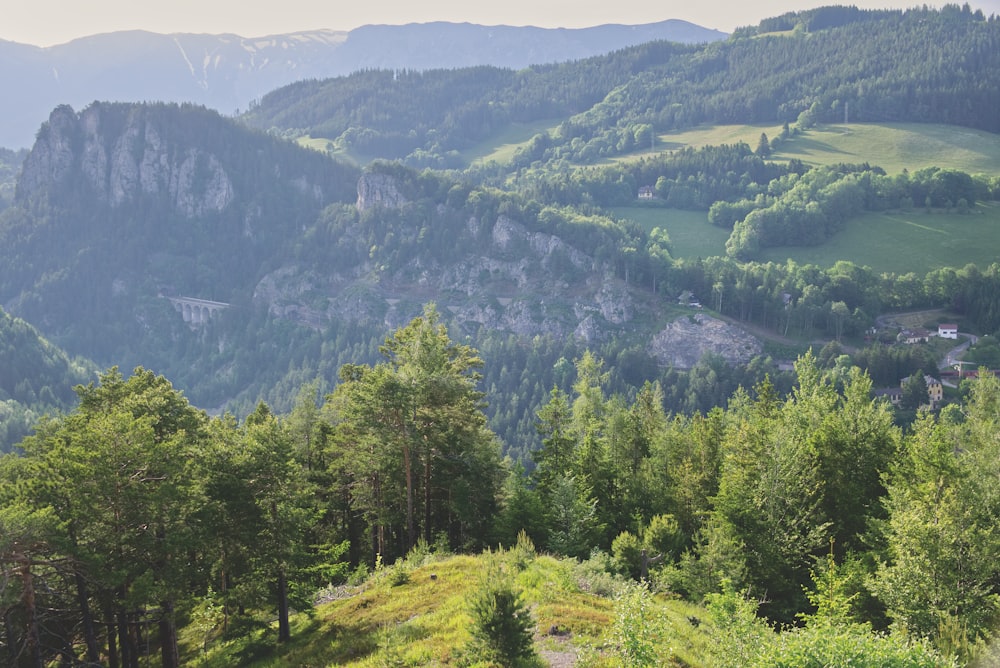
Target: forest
[
  {"x": 290, "y": 445},
  {"x": 919, "y": 65},
  {"x": 260, "y": 357},
  {"x": 124, "y": 516}
]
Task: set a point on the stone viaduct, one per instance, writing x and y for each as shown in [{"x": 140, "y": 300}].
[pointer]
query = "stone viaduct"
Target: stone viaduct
[{"x": 196, "y": 311}]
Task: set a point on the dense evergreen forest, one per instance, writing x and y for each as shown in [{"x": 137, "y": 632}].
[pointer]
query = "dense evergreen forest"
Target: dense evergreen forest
[
  {"x": 125, "y": 518},
  {"x": 10, "y": 163},
  {"x": 37, "y": 379}
]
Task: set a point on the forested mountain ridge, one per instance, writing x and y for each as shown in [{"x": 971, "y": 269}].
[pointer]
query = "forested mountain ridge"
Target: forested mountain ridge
[
  {"x": 121, "y": 208},
  {"x": 227, "y": 72},
  {"x": 838, "y": 62},
  {"x": 37, "y": 379},
  {"x": 121, "y": 205}
]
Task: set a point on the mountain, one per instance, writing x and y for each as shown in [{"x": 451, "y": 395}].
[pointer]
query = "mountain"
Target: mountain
[
  {"x": 243, "y": 266},
  {"x": 238, "y": 264},
  {"x": 834, "y": 63},
  {"x": 121, "y": 207},
  {"x": 228, "y": 72}
]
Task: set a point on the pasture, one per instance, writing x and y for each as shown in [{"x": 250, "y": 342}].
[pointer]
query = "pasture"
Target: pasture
[
  {"x": 501, "y": 147},
  {"x": 891, "y": 146},
  {"x": 897, "y": 146},
  {"x": 887, "y": 242}
]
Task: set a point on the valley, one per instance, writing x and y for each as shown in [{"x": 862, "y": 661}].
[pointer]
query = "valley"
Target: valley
[{"x": 615, "y": 329}]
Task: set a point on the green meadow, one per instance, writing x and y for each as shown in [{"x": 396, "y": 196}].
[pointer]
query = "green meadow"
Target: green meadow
[
  {"x": 501, "y": 148},
  {"x": 891, "y": 146},
  {"x": 417, "y": 613},
  {"x": 691, "y": 235},
  {"x": 887, "y": 242},
  {"x": 904, "y": 242},
  {"x": 897, "y": 146},
  {"x": 899, "y": 242}
]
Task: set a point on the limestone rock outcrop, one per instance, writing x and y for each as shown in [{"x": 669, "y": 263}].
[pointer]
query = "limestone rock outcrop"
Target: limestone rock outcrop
[
  {"x": 683, "y": 342},
  {"x": 121, "y": 164}
]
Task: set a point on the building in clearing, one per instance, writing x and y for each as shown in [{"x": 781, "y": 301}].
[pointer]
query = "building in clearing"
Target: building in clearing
[
  {"x": 913, "y": 336},
  {"x": 948, "y": 331}
]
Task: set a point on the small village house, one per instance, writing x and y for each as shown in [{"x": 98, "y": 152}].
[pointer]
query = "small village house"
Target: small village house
[{"x": 948, "y": 331}]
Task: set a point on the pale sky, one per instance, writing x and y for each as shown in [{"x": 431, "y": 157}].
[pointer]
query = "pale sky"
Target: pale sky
[{"x": 48, "y": 22}]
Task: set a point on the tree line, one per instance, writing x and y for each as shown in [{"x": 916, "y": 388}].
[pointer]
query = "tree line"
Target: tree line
[{"x": 130, "y": 517}]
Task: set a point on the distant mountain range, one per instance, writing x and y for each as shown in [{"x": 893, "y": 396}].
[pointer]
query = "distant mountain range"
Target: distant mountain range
[{"x": 228, "y": 72}]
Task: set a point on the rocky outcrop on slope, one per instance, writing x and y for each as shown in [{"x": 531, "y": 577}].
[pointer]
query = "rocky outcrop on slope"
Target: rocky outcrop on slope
[
  {"x": 508, "y": 278},
  {"x": 514, "y": 279},
  {"x": 376, "y": 190},
  {"x": 121, "y": 164},
  {"x": 683, "y": 342}
]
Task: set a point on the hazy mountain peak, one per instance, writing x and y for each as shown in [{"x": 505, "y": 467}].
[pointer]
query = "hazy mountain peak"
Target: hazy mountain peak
[{"x": 226, "y": 72}]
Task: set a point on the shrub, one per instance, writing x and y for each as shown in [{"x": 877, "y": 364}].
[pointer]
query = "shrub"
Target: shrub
[
  {"x": 626, "y": 554},
  {"x": 639, "y": 634},
  {"x": 501, "y": 622}
]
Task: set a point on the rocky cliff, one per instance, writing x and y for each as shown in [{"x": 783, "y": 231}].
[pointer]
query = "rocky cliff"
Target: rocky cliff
[
  {"x": 175, "y": 161},
  {"x": 504, "y": 275},
  {"x": 119, "y": 203},
  {"x": 120, "y": 164}
]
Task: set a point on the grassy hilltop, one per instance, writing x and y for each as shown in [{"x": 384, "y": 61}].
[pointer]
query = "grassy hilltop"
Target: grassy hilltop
[{"x": 417, "y": 613}]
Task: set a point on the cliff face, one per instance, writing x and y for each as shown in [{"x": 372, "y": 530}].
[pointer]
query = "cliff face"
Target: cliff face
[
  {"x": 502, "y": 276},
  {"x": 120, "y": 164},
  {"x": 378, "y": 190},
  {"x": 119, "y": 203}
]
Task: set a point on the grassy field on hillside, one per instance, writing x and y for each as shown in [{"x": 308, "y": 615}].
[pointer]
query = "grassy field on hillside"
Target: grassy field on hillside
[
  {"x": 897, "y": 146},
  {"x": 501, "y": 148},
  {"x": 894, "y": 242},
  {"x": 904, "y": 242},
  {"x": 691, "y": 235},
  {"x": 417, "y": 613},
  {"x": 891, "y": 146},
  {"x": 324, "y": 145}
]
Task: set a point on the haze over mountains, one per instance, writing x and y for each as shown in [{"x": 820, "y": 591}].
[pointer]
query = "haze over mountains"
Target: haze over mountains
[{"x": 228, "y": 72}]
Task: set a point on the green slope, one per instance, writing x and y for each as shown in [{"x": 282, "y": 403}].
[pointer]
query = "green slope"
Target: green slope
[
  {"x": 891, "y": 146},
  {"x": 908, "y": 242},
  {"x": 893, "y": 242},
  {"x": 900, "y": 242},
  {"x": 36, "y": 378},
  {"x": 417, "y": 614},
  {"x": 898, "y": 146}
]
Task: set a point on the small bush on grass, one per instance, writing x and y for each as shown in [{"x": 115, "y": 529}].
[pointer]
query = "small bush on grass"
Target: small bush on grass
[
  {"x": 597, "y": 575},
  {"x": 639, "y": 633},
  {"x": 501, "y": 622}
]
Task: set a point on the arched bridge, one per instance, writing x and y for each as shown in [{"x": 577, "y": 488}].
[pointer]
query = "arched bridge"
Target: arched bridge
[{"x": 196, "y": 311}]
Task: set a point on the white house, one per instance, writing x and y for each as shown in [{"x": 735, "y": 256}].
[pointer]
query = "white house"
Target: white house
[
  {"x": 913, "y": 336},
  {"x": 948, "y": 331}
]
